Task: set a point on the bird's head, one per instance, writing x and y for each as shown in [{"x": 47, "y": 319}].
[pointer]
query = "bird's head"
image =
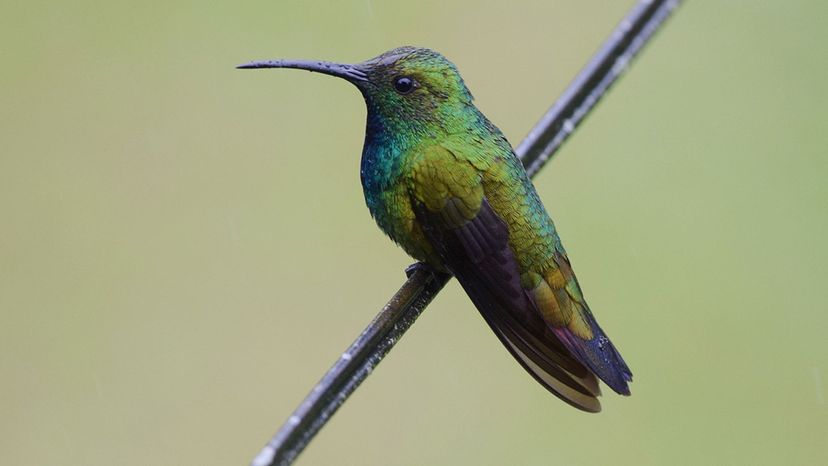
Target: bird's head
[{"x": 408, "y": 88}]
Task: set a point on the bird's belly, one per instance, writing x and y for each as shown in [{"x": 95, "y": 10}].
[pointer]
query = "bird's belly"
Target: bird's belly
[{"x": 394, "y": 215}]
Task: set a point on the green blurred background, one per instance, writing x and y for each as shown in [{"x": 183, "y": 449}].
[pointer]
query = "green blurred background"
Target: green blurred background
[{"x": 184, "y": 247}]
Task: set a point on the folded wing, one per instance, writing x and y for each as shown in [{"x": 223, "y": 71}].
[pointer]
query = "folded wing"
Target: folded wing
[{"x": 473, "y": 242}]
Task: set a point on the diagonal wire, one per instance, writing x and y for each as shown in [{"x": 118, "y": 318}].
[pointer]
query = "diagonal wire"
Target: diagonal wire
[{"x": 423, "y": 284}]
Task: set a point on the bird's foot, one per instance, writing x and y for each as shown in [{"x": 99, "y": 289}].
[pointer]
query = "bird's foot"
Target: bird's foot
[{"x": 413, "y": 268}]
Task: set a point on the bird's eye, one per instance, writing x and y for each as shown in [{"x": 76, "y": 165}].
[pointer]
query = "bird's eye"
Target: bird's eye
[{"x": 404, "y": 84}]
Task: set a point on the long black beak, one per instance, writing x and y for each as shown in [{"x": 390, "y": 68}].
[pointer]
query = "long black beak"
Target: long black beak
[{"x": 350, "y": 72}]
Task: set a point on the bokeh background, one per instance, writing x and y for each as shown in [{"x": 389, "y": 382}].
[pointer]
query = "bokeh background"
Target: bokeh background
[{"x": 184, "y": 247}]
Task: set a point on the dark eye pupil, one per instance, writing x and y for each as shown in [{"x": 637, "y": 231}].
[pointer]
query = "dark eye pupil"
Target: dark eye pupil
[{"x": 404, "y": 85}]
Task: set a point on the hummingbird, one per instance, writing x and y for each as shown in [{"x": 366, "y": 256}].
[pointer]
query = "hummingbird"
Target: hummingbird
[{"x": 444, "y": 183}]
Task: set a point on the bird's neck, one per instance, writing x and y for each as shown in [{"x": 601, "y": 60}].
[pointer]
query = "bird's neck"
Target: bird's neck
[{"x": 382, "y": 154}]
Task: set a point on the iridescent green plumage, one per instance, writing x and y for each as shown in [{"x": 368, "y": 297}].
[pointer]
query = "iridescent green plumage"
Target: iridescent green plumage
[{"x": 444, "y": 183}]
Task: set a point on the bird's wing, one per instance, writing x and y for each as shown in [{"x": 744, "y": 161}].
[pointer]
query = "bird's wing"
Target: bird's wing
[{"x": 473, "y": 241}]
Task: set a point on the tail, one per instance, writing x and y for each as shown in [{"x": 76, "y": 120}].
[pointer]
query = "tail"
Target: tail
[
  {"x": 558, "y": 299},
  {"x": 598, "y": 354}
]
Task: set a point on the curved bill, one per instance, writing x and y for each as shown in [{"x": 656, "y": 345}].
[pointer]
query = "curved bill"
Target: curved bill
[{"x": 350, "y": 72}]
